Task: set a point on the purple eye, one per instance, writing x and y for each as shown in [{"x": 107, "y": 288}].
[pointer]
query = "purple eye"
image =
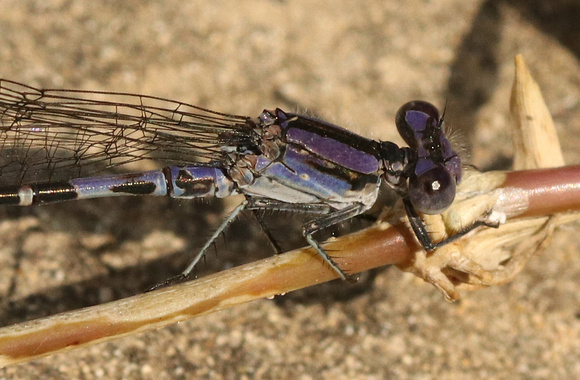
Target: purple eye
[
  {"x": 415, "y": 119},
  {"x": 432, "y": 191}
]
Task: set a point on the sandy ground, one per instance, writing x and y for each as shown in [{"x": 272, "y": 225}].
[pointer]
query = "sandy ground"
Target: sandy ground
[{"x": 350, "y": 64}]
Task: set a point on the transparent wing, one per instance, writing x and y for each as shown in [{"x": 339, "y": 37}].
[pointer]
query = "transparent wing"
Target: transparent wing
[{"x": 51, "y": 135}]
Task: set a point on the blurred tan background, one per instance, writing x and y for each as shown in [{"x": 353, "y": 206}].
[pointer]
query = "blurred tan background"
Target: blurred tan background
[{"x": 351, "y": 64}]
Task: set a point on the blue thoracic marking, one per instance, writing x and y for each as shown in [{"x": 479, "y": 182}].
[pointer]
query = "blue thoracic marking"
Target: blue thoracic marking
[{"x": 54, "y": 144}]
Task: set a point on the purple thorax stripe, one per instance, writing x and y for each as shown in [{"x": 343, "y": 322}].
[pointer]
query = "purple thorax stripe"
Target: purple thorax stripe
[{"x": 329, "y": 148}]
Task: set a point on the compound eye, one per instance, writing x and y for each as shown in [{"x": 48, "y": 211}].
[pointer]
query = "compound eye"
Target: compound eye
[
  {"x": 432, "y": 191},
  {"x": 413, "y": 118}
]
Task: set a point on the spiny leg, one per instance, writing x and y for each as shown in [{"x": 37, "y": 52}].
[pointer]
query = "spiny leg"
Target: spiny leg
[
  {"x": 263, "y": 204},
  {"x": 332, "y": 218},
  {"x": 275, "y": 205},
  {"x": 231, "y": 217},
  {"x": 266, "y": 231},
  {"x": 185, "y": 274},
  {"x": 326, "y": 221},
  {"x": 420, "y": 229}
]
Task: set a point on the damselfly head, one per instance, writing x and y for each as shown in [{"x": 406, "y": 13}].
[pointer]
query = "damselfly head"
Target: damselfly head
[{"x": 432, "y": 184}]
